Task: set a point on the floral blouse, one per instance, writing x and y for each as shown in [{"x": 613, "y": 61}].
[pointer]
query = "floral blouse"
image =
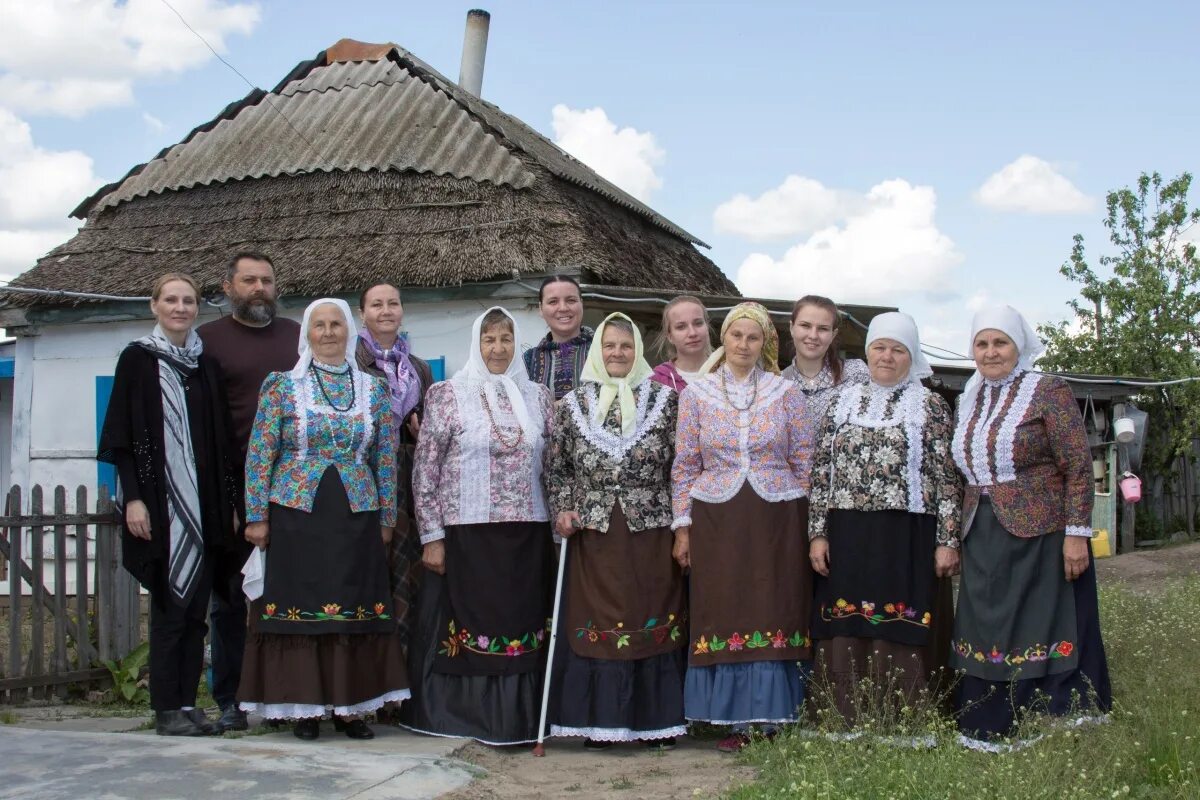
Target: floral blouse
[
  {"x": 591, "y": 466},
  {"x": 298, "y": 434},
  {"x": 731, "y": 432},
  {"x": 465, "y": 472},
  {"x": 820, "y": 391},
  {"x": 1022, "y": 441},
  {"x": 887, "y": 448}
]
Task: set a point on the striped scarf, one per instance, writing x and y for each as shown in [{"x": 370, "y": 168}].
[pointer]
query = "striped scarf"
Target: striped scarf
[
  {"x": 183, "y": 492},
  {"x": 559, "y": 365}
]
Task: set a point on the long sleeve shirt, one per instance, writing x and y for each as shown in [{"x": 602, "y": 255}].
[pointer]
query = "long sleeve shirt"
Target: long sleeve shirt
[
  {"x": 592, "y": 467},
  {"x": 1023, "y": 442},
  {"x": 887, "y": 448},
  {"x": 466, "y": 471},
  {"x": 297, "y": 435},
  {"x": 731, "y": 432}
]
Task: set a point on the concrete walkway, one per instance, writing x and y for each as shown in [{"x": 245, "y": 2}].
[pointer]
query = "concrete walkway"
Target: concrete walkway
[{"x": 63, "y": 762}]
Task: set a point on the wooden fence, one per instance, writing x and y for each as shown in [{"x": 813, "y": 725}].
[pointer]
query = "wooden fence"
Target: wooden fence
[{"x": 58, "y": 637}]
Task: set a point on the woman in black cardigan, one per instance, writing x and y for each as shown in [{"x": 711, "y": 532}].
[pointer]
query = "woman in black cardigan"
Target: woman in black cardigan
[{"x": 167, "y": 433}]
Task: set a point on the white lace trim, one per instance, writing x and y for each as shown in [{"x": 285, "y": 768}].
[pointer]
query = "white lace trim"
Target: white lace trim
[
  {"x": 681, "y": 522},
  {"x": 613, "y": 444},
  {"x": 979, "y": 472},
  {"x": 618, "y": 734},
  {"x": 742, "y": 477},
  {"x": 475, "y": 451},
  {"x": 311, "y": 711},
  {"x": 908, "y": 411},
  {"x": 983, "y": 746},
  {"x": 770, "y": 389},
  {"x": 435, "y": 535},
  {"x": 306, "y": 399},
  {"x": 1080, "y": 530},
  {"x": 1006, "y": 437}
]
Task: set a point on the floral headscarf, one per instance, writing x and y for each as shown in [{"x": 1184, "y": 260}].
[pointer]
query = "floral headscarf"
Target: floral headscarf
[{"x": 769, "y": 359}]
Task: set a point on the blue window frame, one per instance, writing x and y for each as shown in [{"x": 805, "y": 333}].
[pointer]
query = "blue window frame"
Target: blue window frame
[{"x": 106, "y": 474}]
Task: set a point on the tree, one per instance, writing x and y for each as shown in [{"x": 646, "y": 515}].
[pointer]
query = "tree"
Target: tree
[{"x": 1141, "y": 320}]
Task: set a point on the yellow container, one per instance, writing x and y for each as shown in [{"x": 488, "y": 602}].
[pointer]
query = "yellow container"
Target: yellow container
[{"x": 1100, "y": 545}]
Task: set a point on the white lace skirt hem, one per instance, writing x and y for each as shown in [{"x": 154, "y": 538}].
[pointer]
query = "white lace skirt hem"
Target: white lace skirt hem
[
  {"x": 309, "y": 711},
  {"x": 618, "y": 734}
]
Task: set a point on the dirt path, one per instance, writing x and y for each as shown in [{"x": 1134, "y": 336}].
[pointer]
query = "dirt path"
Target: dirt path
[
  {"x": 1147, "y": 569},
  {"x": 694, "y": 769}
]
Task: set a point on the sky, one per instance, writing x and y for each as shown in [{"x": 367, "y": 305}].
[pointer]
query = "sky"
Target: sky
[{"x": 931, "y": 156}]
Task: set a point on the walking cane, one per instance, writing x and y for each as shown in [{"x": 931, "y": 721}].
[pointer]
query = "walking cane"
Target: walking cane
[{"x": 539, "y": 749}]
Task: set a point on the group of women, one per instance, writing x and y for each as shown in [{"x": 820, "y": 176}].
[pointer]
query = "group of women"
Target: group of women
[{"x": 734, "y": 538}]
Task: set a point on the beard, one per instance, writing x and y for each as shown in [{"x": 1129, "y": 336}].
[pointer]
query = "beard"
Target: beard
[{"x": 258, "y": 310}]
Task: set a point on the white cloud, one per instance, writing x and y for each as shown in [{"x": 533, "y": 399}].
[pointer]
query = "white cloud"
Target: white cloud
[
  {"x": 627, "y": 157},
  {"x": 69, "y": 57},
  {"x": 153, "y": 123},
  {"x": 38, "y": 189},
  {"x": 883, "y": 248},
  {"x": 1033, "y": 186},
  {"x": 798, "y": 206}
]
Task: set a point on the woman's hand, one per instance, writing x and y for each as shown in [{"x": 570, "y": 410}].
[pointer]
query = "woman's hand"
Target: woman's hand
[
  {"x": 945, "y": 561},
  {"x": 433, "y": 557},
  {"x": 818, "y": 554},
  {"x": 387, "y": 533},
  {"x": 1075, "y": 556},
  {"x": 567, "y": 523},
  {"x": 258, "y": 534},
  {"x": 137, "y": 519},
  {"x": 682, "y": 552},
  {"x": 414, "y": 425}
]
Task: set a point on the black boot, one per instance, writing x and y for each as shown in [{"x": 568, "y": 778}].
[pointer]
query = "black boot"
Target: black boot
[
  {"x": 201, "y": 720},
  {"x": 175, "y": 723},
  {"x": 357, "y": 729},
  {"x": 307, "y": 729},
  {"x": 232, "y": 719}
]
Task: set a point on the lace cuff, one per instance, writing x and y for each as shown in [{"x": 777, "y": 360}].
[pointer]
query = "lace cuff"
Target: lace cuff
[
  {"x": 681, "y": 522},
  {"x": 1079, "y": 530},
  {"x": 435, "y": 535}
]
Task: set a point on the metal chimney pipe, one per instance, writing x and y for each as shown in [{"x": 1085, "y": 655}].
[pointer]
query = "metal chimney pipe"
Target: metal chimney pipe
[{"x": 470, "y": 73}]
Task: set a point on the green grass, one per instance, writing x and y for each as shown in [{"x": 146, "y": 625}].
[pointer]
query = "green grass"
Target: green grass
[{"x": 1149, "y": 749}]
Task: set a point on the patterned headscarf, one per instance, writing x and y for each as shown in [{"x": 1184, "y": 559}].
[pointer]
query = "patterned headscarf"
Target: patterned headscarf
[
  {"x": 769, "y": 359},
  {"x": 620, "y": 389}
]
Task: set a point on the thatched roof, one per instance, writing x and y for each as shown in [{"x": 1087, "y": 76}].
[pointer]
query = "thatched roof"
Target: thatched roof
[{"x": 365, "y": 164}]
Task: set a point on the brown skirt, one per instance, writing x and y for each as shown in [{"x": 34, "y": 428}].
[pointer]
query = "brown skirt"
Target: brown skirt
[
  {"x": 624, "y": 593},
  {"x": 751, "y": 581},
  {"x": 332, "y": 670}
]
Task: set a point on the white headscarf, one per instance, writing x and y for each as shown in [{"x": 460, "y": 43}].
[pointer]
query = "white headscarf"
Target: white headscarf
[
  {"x": 306, "y": 356},
  {"x": 900, "y": 327},
  {"x": 1012, "y": 324},
  {"x": 476, "y": 372}
]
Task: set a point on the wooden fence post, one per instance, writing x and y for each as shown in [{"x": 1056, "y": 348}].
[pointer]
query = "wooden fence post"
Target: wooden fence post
[
  {"x": 60, "y": 589},
  {"x": 14, "y": 603},
  {"x": 84, "y": 652},
  {"x": 104, "y": 583},
  {"x": 37, "y": 596}
]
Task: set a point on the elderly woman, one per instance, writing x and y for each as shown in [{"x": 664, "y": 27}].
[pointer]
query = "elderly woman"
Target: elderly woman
[
  {"x": 884, "y": 524},
  {"x": 479, "y": 642},
  {"x": 167, "y": 433},
  {"x": 1027, "y": 631},
  {"x": 557, "y": 360},
  {"x": 687, "y": 339},
  {"x": 818, "y": 367},
  {"x": 620, "y": 677},
  {"x": 321, "y": 499},
  {"x": 743, "y": 447},
  {"x": 383, "y": 352}
]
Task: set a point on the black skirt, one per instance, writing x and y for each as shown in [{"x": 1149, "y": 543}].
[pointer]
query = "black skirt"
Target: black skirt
[
  {"x": 990, "y": 708},
  {"x": 492, "y": 698}
]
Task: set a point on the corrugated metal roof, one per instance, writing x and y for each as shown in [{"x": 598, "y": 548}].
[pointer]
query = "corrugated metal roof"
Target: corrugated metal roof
[
  {"x": 344, "y": 116},
  {"x": 395, "y": 113}
]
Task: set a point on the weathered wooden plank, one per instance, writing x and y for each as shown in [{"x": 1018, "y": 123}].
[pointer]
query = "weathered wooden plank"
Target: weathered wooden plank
[
  {"x": 84, "y": 652},
  {"x": 14, "y": 589},
  {"x": 61, "y": 679},
  {"x": 37, "y": 592},
  {"x": 60, "y": 589},
  {"x": 57, "y": 519},
  {"x": 104, "y": 590}
]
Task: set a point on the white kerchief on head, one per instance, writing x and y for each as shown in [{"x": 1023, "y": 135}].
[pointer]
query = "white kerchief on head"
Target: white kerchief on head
[
  {"x": 900, "y": 327},
  {"x": 1012, "y": 324},
  {"x": 305, "y": 351},
  {"x": 476, "y": 372}
]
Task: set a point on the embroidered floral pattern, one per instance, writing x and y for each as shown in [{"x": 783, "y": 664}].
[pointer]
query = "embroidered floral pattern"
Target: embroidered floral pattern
[
  {"x": 874, "y": 614},
  {"x": 461, "y": 639},
  {"x": 1015, "y": 657},
  {"x": 658, "y": 630},
  {"x": 330, "y": 612},
  {"x": 820, "y": 391},
  {"x": 749, "y": 641}
]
